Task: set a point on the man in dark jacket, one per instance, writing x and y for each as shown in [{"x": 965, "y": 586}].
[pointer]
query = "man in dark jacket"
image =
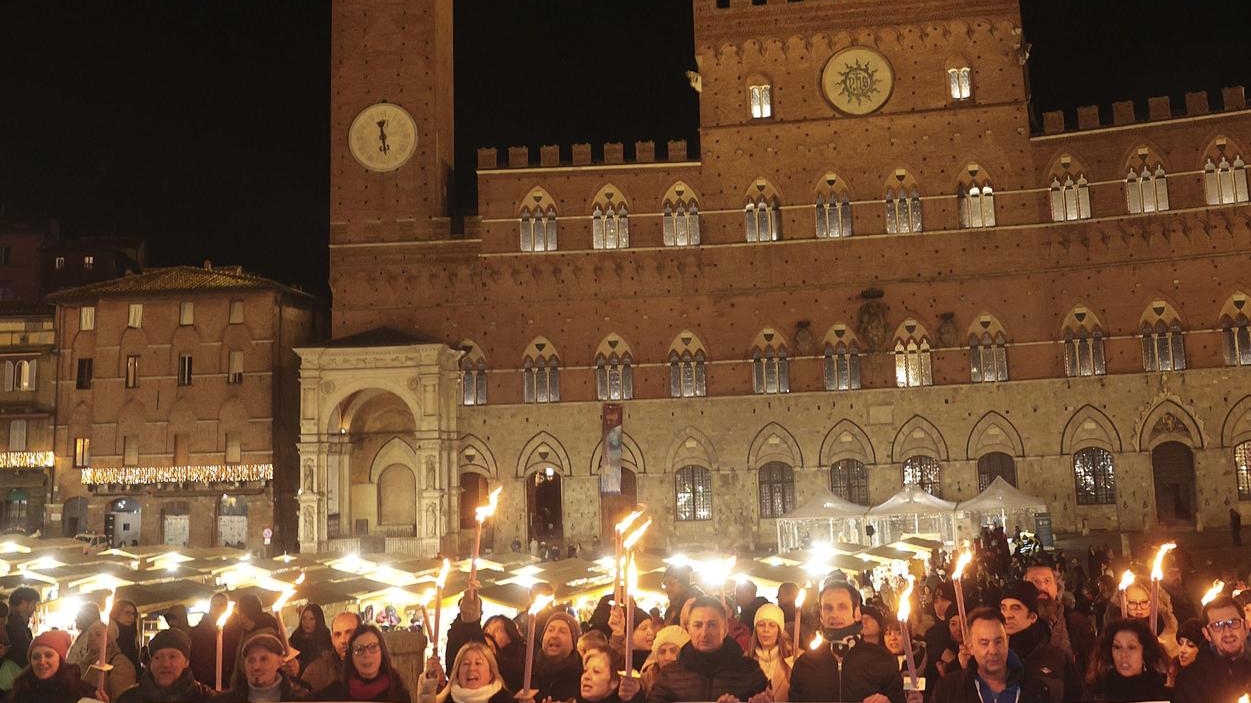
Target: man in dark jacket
[
  {"x": 1030, "y": 640},
  {"x": 327, "y": 668},
  {"x": 260, "y": 676},
  {"x": 846, "y": 668},
  {"x": 710, "y": 667},
  {"x": 1070, "y": 630},
  {"x": 678, "y": 586},
  {"x": 557, "y": 666},
  {"x": 1222, "y": 671},
  {"x": 22, "y": 603},
  {"x": 204, "y": 643},
  {"x": 994, "y": 669},
  {"x": 747, "y": 601},
  {"x": 168, "y": 677}
]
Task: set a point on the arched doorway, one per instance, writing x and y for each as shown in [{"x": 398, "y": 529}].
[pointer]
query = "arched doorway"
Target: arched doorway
[
  {"x": 1173, "y": 465},
  {"x": 613, "y": 507},
  {"x": 176, "y": 524},
  {"x": 74, "y": 517},
  {"x": 232, "y": 522},
  {"x": 121, "y": 522},
  {"x": 543, "y": 505},
  {"x": 397, "y": 500}
]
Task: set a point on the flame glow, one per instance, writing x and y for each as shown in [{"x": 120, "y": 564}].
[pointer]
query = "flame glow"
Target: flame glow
[
  {"x": 966, "y": 557},
  {"x": 300, "y": 580},
  {"x": 1127, "y": 580},
  {"x": 1244, "y": 699},
  {"x": 632, "y": 578},
  {"x": 629, "y": 520},
  {"x": 799, "y": 599},
  {"x": 108, "y": 607},
  {"x": 1217, "y": 586},
  {"x": 540, "y": 602},
  {"x": 282, "y": 599},
  {"x": 905, "y": 602},
  {"x": 482, "y": 512},
  {"x": 441, "y": 581},
  {"x": 629, "y": 542},
  {"x": 230, "y": 608},
  {"x": 816, "y": 641},
  {"x": 1157, "y": 571}
]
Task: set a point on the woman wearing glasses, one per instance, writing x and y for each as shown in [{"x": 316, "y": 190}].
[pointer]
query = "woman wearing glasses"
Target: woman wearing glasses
[
  {"x": 1137, "y": 600},
  {"x": 367, "y": 672}
]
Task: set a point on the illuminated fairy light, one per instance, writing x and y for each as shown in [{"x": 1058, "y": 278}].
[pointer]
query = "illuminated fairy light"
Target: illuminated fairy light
[
  {"x": 27, "y": 460},
  {"x": 212, "y": 473}
]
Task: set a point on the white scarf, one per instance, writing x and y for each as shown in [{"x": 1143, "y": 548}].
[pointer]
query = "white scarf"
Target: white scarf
[
  {"x": 459, "y": 694},
  {"x": 769, "y": 661}
]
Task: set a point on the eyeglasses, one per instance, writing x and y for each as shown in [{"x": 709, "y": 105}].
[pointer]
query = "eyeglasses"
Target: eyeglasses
[
  {"x": 1138, "y": 603},
  {"x": 1228, "y": 624},
  {"x": 370, "y": 648}
]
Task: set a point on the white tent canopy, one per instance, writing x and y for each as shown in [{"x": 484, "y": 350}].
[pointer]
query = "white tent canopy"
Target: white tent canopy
[
  {"x": 824, "y": 518},
  {"x": 912, "y": 511},
  {"x": 1002, "y": 501}
]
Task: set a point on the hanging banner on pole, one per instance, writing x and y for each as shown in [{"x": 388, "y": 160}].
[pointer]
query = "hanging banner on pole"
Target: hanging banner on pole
[{"x": 610, "y": 461}]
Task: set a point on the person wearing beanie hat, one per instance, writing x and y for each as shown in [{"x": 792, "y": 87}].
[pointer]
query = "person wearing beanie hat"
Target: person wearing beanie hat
[
  {"x": 771, "y": 648},
  {"x": 668, "y": 641},
  {"x": 872, "y": 622},
  {"x": 168, "y": 675},
  {"x": 50, "y": 678},
  {"x": 557, "y": 666},
  {"x": 121, "y": 677},
  {"x": 259, "y": 675},
  {"x": 1190, "y": 641},
  {"x": 640, "y": 640},
  {"x": 1029, "y": 638}
]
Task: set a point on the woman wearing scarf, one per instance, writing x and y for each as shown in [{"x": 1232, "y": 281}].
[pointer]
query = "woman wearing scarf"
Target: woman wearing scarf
[
  {"x": 367, "y": 672},
  {"x": 121, "y": 677},
  {"x": 771, "y": 649},
  {"x": 668, "y": 642},
  {"x": 475, "y": 677},
  {"x": 1128, "y": 665}
]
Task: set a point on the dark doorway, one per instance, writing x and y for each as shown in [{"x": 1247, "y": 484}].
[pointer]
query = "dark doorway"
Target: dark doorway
[
  {"x": 992, "y": 466},
  {"x": 543, "y": 500},
  {"x": 1173, "y": 465},
  {"x": 613, "y": 507}
]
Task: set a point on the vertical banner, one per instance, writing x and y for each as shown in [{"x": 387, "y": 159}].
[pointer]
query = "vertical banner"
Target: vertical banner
[{"x": 610, "y": 462}]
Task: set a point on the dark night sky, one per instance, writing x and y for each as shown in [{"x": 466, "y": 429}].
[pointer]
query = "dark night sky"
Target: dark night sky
[{"x": 203, "y": 126}]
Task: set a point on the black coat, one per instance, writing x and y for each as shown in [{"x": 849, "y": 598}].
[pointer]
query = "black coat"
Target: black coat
[
  {"x": 560, "y": 680},
  {"x": 961, "y": 686},
  {"x": 289, "y": 691},
  {"x": 185, "y": 690},
  {"x": 867, "y": 669},
  {"x": 1047, "y": 663},
  {"x": 1114, "y": 688},
  {"x": 698, "y": 676},
  {"x": 1212, "y": 678}
]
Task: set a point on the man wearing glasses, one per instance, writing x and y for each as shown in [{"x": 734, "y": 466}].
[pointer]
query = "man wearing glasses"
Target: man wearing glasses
[{"x": 1222, "y": 671}]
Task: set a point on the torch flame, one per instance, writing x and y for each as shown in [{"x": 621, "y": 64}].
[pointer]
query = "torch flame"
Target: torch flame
[
  {"x": 230, "y": 608},
  {"x": 905, "y": 602},
  {"x": 629, "y": 520},
  {"x": 816, "y": 641},
  {"x": 282, "y": 599},
  {"x": 632, "y": 577},
  {"x": 965, "y": 558},
  {"x": 1127, "y": 580},
  {"x": 629, "y": 542},
  {"x": 300, "y": 580},
  {"x": 426, "y": 596},
  {"x": 1157, "y": 571},
  {"x": 540, "y": 602},
  {"x": 441, "y": 581},
  {"x": 108, "y": 607},
  {"x": 482, "y": 512},
  {"x": 1217, "y": 586},
  {"x": 1244, "y": 699},
  {"x": 799, "y": 599}
]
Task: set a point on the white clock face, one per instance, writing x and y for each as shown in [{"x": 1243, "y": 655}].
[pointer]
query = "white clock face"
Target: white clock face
[{"x": 383, "y": 137}]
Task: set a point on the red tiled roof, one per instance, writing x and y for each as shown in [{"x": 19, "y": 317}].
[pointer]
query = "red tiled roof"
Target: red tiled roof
[{"x": 175, "y": 279}]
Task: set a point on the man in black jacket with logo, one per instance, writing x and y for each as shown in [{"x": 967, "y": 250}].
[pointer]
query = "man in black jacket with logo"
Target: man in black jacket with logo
[
  {"x": 993, "y": 671},
  {"x": 845, "y": 668},
  {"x": 1222, "y": 671},
  {"x": 711, "y": 667},
  {"x": 1030, "y": 639}
]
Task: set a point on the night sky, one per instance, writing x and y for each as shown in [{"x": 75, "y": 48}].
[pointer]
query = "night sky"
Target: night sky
[{"x": 203, "y": 126}]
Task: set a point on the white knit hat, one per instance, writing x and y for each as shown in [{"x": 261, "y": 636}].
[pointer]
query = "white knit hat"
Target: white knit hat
[{"x": 772, "y": 613}]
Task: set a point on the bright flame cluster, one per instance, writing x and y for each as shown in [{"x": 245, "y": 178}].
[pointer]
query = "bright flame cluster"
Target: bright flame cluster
[
  {"x": 26, "y": 460},
  {"x": 213, "y": 473}
]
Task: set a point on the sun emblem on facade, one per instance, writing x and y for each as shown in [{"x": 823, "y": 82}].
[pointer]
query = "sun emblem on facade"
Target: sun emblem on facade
[{"x": 858, "y": 82}]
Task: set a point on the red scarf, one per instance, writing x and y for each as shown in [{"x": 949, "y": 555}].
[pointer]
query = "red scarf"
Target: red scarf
[{"x": 362, "y": 690}]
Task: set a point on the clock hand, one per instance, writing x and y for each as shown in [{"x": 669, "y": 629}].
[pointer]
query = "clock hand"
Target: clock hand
[{"x": 382, "y": 137}]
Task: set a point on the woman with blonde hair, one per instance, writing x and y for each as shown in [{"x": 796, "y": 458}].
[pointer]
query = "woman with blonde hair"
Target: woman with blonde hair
[
  {"x": 475, "y": 677},
  {"x": 121, "y": 677},
  {"x": 771, "y": 649}
]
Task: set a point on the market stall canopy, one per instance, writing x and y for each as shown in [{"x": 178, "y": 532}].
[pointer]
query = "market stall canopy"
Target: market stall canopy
[
  {"x": 825, "y": 505},
  {"x": 912, "y": 500},
  {"x": 1001, "y": 496},
  {"x": 917, "y": 545},
  {"x": 888, "y": 554}
]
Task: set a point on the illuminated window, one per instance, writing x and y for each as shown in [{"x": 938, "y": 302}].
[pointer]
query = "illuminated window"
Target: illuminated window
[
  {"x": 614, "y": 370},
  {"x": 82, "y": 452},
  {"x": 186, "y": 313},
  {"x": 680, "y": 219},
  {"x": 761, "y": 99},
  {"x": 1146, "y": 186},
  {"x": 833, "y": 210},
  {"x": 1094, "y": 476},
  {"x": 236, "y": 312},
  {"x": 89, "y": 262},
  {"x": 762, "y": 220},
  {"x": 988, "y": 351},
  {"x": 912, "y": 356},
  {"x": 903, "y": 205},
  {"x": 540, "y": 370},
  {"x": 687, "y": 367},
  {"x": 777, "y": 489},
  {"x": 1070, "y": 192},
  {"x": 610, "y": 221},
  {"x": 1163, "y": 348},
  {"x": 925, "y": 472},
  {"x": 771, "y": 370},
  {"x": 87, "y": 317},
  {"x": 1083, "y": 345},
  {"x": 134, "y": 318},
  {"x": 473, "y": 389},
  {"x": 959, "y": 83},
  {"x": 1225, "y": 182},
  {"x": 849, "y": 480},
  {"x": 538, "y": 222},
  {"x": 1242, "y": 466},
  {"x": 693, "y": 488},
  {"x": 20, "y": 375}
]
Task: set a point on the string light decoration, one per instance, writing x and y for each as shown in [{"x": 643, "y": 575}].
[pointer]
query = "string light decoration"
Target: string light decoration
[
  {"x": 26, "y": 460},
  {"x": 143, "y": 475}
]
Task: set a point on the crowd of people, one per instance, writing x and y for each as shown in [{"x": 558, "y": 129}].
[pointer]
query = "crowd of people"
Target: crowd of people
[{"x": 1035, "y": 628}]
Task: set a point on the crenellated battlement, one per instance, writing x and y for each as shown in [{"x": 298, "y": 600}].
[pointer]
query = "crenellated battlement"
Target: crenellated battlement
[
  {"x": 1127, "y": 112},
  {"x": 610, "y": 153}
]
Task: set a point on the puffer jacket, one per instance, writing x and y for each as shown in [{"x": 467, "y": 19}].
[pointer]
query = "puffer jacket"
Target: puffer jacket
[
  {"x": 867, "y": 669},
  {"x": 706, "y": 676}
]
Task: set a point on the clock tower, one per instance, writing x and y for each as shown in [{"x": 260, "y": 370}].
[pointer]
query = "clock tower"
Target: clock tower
[{"x": 390, "y": 124}]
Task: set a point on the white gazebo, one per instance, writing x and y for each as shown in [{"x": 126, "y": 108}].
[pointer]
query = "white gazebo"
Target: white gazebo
[
  {"x": 1003, "y": 503},
  {"x": 912, "y": 512},
  {"x": 825, "y": 518}
]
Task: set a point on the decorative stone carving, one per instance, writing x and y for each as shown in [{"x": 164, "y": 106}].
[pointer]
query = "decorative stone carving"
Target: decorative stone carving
[
  {"x": 947, "y": 334},
  {"x": 308, "y": 476},
  {"x": 871, "y": 324},
  {"x": 327, "y": 387}
]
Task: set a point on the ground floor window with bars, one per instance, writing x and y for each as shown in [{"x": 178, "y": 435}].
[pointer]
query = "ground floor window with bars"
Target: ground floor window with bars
[
  {"x": 842, "y": 368},
  {"x": 924, "y": 472},
  {"x": 849, "y": 480},
  {"x": 693, "y": 487},
  {"x": 1094, "y": 474},
  {"x": 777, "y": 489},
  {"x": 687, "y": 375},
  {"x": 995, "y": 465},
  {"x": 1162, "y": 347}
]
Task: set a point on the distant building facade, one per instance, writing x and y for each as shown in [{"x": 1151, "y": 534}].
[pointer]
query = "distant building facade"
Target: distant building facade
[
  {"x": 172, "y": 391},
  {"x": 878, "y": 270},
  {"x": 27, "y": 399}
]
